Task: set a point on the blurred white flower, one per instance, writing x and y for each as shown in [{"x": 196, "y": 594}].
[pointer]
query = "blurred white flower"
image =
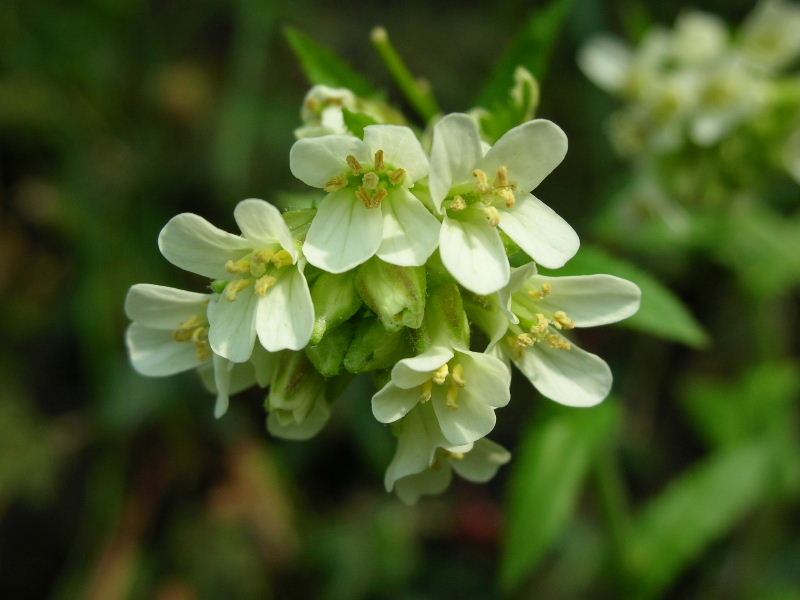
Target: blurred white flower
[
  {"x": 321, "y": 111},
  {"x": 369, "y": 209},
  {"x": 478, "y": 192},
  {"x": 770, "y": 37}
]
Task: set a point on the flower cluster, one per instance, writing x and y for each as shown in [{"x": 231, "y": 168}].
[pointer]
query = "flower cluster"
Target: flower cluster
[
  {"x": 702, "y": 101},
  {"x": 401, "y": 271}
]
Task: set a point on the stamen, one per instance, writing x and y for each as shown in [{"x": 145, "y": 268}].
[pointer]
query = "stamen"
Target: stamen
[
  {"x": 562, "y": 320},
  {"x": 202, "y": 351},
  {"x": 493, "y": 215},
  {"x": 440, "y": 376},
  {"x": 264, "y": 283},
  {"x": 199, "y": 334},
  {"x": 354, "y": 165},
  {"x": 257, "y": 269},
  {"x": 507, "y": 196},
  {"x": 456, "y": 455},
  {"x": 371, "y": 180},
  {"x": 313, "y": 105},
  {"x": 397, "y": 176},
  {"x": 379, "y": 160},
  {"x": 557, "y": 342},
  {"x": 234, "y": 287},
  {"x": 525, "y": 340},
  {"x": 182, "y": 335},
  {"x": 541, "y": 324},
  {"x": 427, "y": 391},
  {"x": 458, "y": 375},
  {"x": 379, "y": 196},
  {"x": 502, "y": 177},
  {"x": 282, "y": 258},
  {"x": 483, "y": 181},
  {"x": 336, "y": 183},
  {"x": 263, "y": 256},
  {"x": 452, "y": 397},
  {"x": 457, "y": 204},
  {"x": 237, "y": 267}
]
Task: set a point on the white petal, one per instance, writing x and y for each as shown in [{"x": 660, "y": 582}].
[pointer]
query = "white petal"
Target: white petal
[
  {"x": 264, "y": 365},
  {"x": 285, "y": 315},
  {"x": 401, "y": 149},
  {"x": 571, "y": 377},
  {"x": 590, "y": 300},
  {"x": 154, "y": 353},
  {"x": 488, "y": 379},
  {"x": 471, "y": 421},
  {"x": 455, "y": 151},
  {"x": 222, "y": 381},
  {"x": 262, "y": 224},
  {"x": 481, "y": 463},
  {"x": 519, "y": 276},
  {"x": 313, "y": 423},
  {"x": 343, "y": 234},
  {"x": 190, "y": 242},
  {"x": 163, "y": 307},
  {"x": 232, "y": 330},
  {"x": 530, "y": 152},
  {"x": 418, "y": 436},
  {"x": 414, "y": 371},
  {"x": 410, "y": 232},
  {"x": 606, "y": 61},
  {"x": 540, "y": 232},
  {"x": 474, "y": 254},
  {"x": 241, "y": 377},
  {"x": 428, "y": 483},
  {"x": 315, "y": 160},
  {"x": 391, "y": 403}
]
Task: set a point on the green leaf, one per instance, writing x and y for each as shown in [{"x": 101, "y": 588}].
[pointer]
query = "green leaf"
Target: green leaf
[
  {"x": 549, "y": 470},
  {"x": 661, "y": 314},
  {"x": 694, "y": 511},
  {"x": 531, "y": 48},
  {"x": 356, "y": 121},
  {"x": 323, "y": 67}
]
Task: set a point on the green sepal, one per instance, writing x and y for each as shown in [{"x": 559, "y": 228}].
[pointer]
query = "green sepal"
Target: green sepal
[
  {"x": 445, "y": 319},
  {"x": 335, "y": 300},
  {"x": 374, "y": 348},
  {"x": 396, "y": 294},
  {"x": 328, "y": 355}
]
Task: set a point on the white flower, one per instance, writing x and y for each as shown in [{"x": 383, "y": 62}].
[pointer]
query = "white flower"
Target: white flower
[
  {"x": 265, "y": 290},
  {"x": 424, "y": 460},
  {"x": 770, "y": 37},
  {"x": 322, "y": 111},
  {"x": 169, "y": 335},
  {"x": 478, "y": 193},
  {"x": 463, "y": 387},
  {"x": 542, "y": 308},
  {"x": 369, "y": 209}
]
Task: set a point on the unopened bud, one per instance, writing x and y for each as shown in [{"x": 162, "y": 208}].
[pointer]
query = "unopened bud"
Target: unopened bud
[
  {"x": 396, "y": 294},
  {"x": 335, "y": 300}
]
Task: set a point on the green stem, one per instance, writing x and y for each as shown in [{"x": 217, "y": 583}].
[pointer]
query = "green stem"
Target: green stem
[
  {"x": 614, "y": 502},
  {"x": 418, "y": 93}
]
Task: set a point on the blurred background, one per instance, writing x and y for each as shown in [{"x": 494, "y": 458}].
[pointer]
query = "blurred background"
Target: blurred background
[{"x": 117, "y": 114}]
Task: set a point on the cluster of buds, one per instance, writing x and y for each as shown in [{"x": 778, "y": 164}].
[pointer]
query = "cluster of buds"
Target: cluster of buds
[{"x": 400, "y": 271}]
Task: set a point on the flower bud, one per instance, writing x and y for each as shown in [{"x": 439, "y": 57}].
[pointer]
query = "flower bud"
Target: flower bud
[
  {"x": 396, "y": 294},
  {"x": 446, "y": 322},
  {"x": 328, "y": 355},
  {"x": 296, "y": 400},
  {"x": 335, "y": 300},
  {"x": 374, "y": 348}
]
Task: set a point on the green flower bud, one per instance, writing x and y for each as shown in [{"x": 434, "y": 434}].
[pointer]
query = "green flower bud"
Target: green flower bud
[
  {"x": 395, "y": 294},
  {"x": 445, "y": 319},
  {"x": 328, "y": 355},
  {"x": 374, "y": 348},
  {"x": 335, "y": 300}
]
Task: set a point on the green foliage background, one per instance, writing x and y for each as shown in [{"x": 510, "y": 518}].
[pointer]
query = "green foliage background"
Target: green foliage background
[{"x": 115, "y": 115}]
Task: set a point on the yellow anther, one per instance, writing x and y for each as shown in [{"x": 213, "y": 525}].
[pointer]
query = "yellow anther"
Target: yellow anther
[
  {"x": 336, "y": 183},
  {"x": 458, "y": 375},
  {"x": 379, "y": 160},
  {"x": 234, "y": 287},
  {"x": 203, "y": 351},
  {"x": 397, "y": 176},
  {"x": 257, "y": 269},
  {"x": 452, "y": 397},
  {"x": 547, "y": 289},
  {"x": 190, "y": 323},
  {"x": 458, "y": 203},
  {"x": 557, "y": 342},
  {"x": 282, "y": 258},
  {"x": 264, "y": 283},
  {"x": 483, "y": 181},
  {"x": 507, "y": 196},
  {"x": 182, "y": 335},
  {"x": 371, "y": 180},
  {"x": 440, "y": 376},
  {"x": 525, "y": 340},
  {"x": 542, "y": 323},
  {"x": 199, "y": 334},
  {"x": 502, "y": 177},
  {"x": 237, "y": 267},
  {"x": 263, "y": 256},
  {"x": 379, "y": 196},
  {"x": 561, "y": 319},
  {"x": 456, "y": 455},
  {"x": 370, "y": 201},
  {"x": 427, "y": 391},
  {"x": 493, "y": 215},
  {"x": 313, "y": 105},
  {"x": 354, "y": 165}
]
